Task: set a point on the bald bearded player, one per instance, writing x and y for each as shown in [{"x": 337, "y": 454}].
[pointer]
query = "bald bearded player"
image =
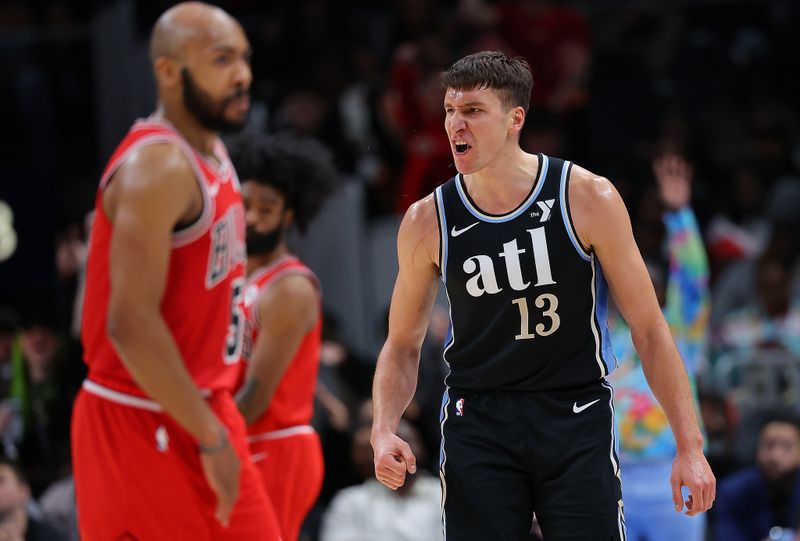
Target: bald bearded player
[{"x": 159, "y": 447}]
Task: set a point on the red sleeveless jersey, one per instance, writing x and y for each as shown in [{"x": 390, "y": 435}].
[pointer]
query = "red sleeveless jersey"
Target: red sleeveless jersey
[
  {"x": 293, "y": 401},
  {"x": 202, "y": 298}
]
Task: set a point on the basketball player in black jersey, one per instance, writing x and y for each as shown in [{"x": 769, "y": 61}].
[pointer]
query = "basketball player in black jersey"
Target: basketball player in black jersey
[{"x": 527, "y": 247}]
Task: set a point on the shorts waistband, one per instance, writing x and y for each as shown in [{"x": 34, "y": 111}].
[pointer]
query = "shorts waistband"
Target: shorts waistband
[
  {"x": 282, "y": 433},
  {"x": 126, "y": 399}
]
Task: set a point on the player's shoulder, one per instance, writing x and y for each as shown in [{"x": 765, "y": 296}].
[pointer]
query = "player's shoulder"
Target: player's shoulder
[
  {"x": 291, "y": 299},
  {"x": 294, "y": 286},
  {"x": 593, "y": 202},
  {"x": 421, "y": 217},
  {"x": 151, "y": 163},
  {"x": 156, "y": 179},
  {"x": 588, "y": 186},
  {"x": 419, "y": 230},
  {"x": 592, "y": 198}
]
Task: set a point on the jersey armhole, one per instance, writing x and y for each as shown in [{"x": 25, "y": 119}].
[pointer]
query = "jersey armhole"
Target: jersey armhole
[
  {"x": 441, "y": 221},
  {"x": 138, "y": 145},
  {"x": 191, "y": 232},
  {"x": 188, "y": 233},
  {"x": 566, "y": 215}
]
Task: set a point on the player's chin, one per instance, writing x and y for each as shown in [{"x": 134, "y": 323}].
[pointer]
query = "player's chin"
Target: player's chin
[
  {"x": 463, "y": 167},
  {"x": 236, "y": 119},
  {"x": 235, "y": 113},
  {"x": 466, "y": 162}
]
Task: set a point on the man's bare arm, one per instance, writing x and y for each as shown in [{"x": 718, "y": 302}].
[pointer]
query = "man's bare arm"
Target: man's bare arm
[
  {"x": 602, "y": 222},
  {"x": 152, "y": 192},
  {"x": 287, "y": 311},
  {"x": 398, "y": 363}
]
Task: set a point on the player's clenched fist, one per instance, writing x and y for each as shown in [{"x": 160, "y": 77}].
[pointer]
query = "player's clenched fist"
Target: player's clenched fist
[{"x": 393, "y": 458}]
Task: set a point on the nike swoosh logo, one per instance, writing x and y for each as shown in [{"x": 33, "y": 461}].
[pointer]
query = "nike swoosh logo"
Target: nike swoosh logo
[
  {"x": 456, "y": 232},
  {"x": 577, "y": 409}
]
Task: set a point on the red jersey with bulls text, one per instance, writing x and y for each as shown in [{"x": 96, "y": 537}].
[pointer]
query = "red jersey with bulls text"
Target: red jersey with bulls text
[
  {"x": 201, "y": 302},
  {"x": 293, "y": 401}
]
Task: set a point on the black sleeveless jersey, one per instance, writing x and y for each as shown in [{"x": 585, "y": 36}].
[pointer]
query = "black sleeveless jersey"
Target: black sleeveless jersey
[{"x": 527, "y": 302}]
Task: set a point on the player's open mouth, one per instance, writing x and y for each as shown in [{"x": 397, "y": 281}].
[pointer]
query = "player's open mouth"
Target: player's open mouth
[
  {"x": 461, "y": 147},
  {"x": 241, "y": 102}
]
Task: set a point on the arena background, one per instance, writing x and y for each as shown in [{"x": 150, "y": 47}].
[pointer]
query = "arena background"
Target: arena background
[{"x": 617, "y": 82}]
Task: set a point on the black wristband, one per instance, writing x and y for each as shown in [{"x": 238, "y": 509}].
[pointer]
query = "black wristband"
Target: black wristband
[{"x": 215, "y": 448}]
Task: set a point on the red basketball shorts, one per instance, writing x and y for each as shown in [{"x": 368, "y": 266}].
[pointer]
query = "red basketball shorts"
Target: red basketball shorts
[
  {"x": 138, "y": 474},
  {"x": 291, "y": 465}
]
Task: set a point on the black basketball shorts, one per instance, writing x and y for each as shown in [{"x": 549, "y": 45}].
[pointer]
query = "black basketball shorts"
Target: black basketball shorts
[{"x": 507, "y": 455}]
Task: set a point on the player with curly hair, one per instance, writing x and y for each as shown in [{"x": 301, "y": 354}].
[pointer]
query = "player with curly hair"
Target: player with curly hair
[{"x": 285, "y": 182}]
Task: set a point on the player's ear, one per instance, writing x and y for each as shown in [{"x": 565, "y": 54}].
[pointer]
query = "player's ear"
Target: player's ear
[
  {"x": 517, "y": 119},
  {"x": 288, "y": 218},
  {"x": 167, "y": 72}
]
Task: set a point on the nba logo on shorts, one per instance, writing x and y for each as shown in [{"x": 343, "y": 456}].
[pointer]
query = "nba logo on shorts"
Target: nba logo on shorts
[
  {"x": 460, "y": 407},
  {"x": 162, "y": 439}
]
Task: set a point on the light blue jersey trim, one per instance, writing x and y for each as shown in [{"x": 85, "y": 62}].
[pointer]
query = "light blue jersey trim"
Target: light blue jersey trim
[
  {"x": 540, "y": 179},
  {"x": 594, "y": 322},
  {"x": 450, "y": 339},
  {"x": 443, "y": 234},
  {"x": 565, "y": 215},
  {"x": 613, "y": 454},
  {"x": 443, "y": 414},
  {"x": 601, "y": 310}
]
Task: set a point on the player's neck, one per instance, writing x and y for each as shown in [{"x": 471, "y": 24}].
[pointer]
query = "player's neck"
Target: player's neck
[
  {"x": 504, "y": 181},
  {"x": 189, "y": 127},
  {"x": 255, "y": 262},
  {"x": 506, "y": 167}
]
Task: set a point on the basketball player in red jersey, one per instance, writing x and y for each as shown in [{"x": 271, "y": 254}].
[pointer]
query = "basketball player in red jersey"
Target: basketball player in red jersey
[
  {"x": 159, "y": 448},
  {"x": 284, "y": 182}
]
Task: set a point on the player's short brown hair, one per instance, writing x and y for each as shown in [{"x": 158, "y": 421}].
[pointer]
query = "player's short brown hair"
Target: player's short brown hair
[{"x": 509, "y": 77}]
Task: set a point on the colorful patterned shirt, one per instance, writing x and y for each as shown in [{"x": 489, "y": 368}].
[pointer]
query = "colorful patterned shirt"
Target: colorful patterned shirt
[{"x": 643, "y": 428}]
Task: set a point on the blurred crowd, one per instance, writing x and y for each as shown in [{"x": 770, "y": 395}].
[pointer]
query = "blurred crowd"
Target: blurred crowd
[{"x": 618, "y": 84}]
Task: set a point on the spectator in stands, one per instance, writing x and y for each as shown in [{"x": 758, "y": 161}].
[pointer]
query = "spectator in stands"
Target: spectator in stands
[
  {"x": 45, "y": 404},
  {"x": 15, "y": 522},
  {"x": 754, "y": 501},
  {"x": 770, "y": 322},
  {"x": 372, "y": 512},
  {"x": 736, "y": 285},
  {"x": 555, "y": 39},
  {"x": 414, "y": 110},
  {"x": 720, "y": 421},
  {"x": 647, "y": 446},
  {"x": 343, "y": 384},
  {"x": 739, "y": 230},
  {"x": 59, "y": 507}
]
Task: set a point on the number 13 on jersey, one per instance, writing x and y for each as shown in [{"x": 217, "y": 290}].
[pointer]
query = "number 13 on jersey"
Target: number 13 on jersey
[{"x": 549, "y": 304}]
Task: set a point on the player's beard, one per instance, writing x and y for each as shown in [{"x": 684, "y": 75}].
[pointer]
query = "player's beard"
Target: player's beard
[
  {"x": 263, "y": 243},
  {"x": 210, "y": 114}
]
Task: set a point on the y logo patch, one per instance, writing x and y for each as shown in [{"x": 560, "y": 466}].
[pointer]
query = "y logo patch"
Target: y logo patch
[{"x": 546, "y": 207}]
